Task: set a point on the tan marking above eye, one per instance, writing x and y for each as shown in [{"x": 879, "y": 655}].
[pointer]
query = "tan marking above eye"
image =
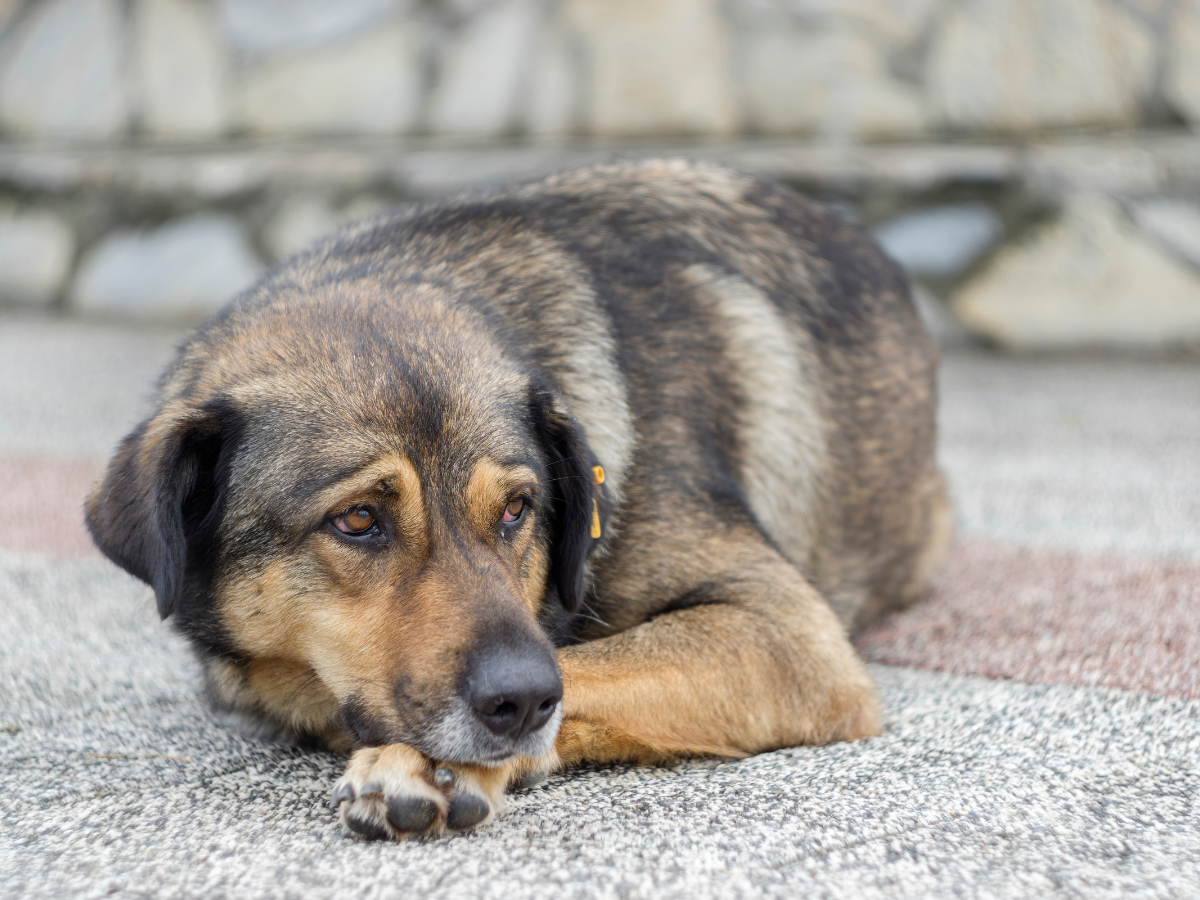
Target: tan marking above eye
[
  {"x": 389, "y": 483},
  {"x": 355, "y": 522}
]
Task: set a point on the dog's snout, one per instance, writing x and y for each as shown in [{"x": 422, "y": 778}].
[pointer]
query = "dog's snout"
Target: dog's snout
[{"x": 514, "y": 693}]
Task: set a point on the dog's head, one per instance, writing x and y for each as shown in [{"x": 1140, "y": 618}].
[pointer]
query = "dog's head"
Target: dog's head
[{"x": 367, "y": 513}]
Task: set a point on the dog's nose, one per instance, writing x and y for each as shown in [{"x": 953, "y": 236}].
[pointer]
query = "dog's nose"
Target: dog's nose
[{"x": 514, "y": 692}]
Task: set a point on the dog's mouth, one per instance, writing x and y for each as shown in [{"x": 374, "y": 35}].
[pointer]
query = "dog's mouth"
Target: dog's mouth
[
  {"x": 455, "y": 734},
  {"x": 505, "y": 701},
  {"x": 459, "y": 736}
]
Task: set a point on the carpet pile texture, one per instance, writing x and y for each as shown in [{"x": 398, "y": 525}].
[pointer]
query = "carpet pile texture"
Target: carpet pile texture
[{"x": 1042, "y": 705}]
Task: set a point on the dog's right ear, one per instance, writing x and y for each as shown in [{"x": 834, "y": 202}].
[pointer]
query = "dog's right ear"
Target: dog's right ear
[
  {"x": 574, "y": 500},
  {"x": 156, "y": 511}
]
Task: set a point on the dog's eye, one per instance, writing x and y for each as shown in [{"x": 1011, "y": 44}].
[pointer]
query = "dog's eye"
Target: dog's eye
[
  {"x": 514, "y": 510},
  {"x": 356, "y": 522}
]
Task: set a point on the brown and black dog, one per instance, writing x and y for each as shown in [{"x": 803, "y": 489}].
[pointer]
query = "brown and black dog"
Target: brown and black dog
[{"x": 600, "y": 468}]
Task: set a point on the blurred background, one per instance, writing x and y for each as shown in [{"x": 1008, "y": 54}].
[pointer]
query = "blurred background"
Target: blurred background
[{"x": 1035, "y": 164}]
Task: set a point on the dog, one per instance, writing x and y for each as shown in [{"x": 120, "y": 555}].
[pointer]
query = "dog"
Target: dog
[{"x": 602, "y": 468}]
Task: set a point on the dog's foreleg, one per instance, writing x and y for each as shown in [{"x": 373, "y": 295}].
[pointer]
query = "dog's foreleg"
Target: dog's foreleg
[{"x": 760, "y": 662}]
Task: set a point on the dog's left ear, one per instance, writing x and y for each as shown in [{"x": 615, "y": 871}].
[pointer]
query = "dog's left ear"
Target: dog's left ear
[
  {"x": 157, "y": 508},
  {"x": 578, "y": 506}
]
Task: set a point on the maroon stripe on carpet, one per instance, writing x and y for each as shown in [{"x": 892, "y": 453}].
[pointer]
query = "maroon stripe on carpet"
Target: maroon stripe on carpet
[
  {"x": 41, "y": 506},
  {"x": 1047, "y": 616}
]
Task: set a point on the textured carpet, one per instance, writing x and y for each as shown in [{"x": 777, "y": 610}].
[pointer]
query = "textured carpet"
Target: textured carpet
[
  {"x": 117, "y": 782},
  {"x": 1050, "y": 616},
  {"x": 41, "y": 505},
  {"x": 1071, "y": 769}
]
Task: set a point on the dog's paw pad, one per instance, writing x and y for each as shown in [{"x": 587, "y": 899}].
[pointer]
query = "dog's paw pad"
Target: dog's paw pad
[
  {"x": 395, "y": 792},
  {"x": 411, "y": 814},
  {"x": 466, "y": 811}
]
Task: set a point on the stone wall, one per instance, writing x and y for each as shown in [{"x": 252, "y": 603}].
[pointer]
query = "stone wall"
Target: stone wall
[
  {"x": 1035, "y": 164},
  {"x": 1074, "y": 242},
  {"x": 102, "y": 70}
]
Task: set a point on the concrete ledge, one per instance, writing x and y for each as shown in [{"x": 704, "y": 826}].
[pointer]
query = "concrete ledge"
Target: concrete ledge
[
  {"x": 995, "y": 236},
  {"x": 1136, "y": 164}
]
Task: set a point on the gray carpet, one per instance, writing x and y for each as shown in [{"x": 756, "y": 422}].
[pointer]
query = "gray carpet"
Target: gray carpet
[
  {"x": 117, "y": 782},
  {"x": 1098, "y": 455},
  {"x": 114, "y": 780}
]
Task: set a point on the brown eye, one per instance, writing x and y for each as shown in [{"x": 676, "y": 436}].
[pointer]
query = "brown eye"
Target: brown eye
[
  {"x": 513, "y": 511},
  {"x": 357, "y": 521}
]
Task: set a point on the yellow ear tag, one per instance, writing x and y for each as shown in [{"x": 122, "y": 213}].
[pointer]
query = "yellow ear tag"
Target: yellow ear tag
[{"x": 597, "y": 478}]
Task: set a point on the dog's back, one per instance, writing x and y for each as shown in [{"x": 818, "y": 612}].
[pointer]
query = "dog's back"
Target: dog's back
[{"x": 723, "y": 341}]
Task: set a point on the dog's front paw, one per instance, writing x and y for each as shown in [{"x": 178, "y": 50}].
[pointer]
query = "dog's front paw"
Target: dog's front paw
[{"x": 395, "y": 792}]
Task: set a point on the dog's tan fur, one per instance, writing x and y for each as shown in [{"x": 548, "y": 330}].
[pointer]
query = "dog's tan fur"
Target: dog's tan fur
[{"x": 755, "y": 385}]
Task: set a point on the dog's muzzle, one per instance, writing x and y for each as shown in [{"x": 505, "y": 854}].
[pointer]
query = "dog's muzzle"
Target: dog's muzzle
[{"x": 508, "y": 703}]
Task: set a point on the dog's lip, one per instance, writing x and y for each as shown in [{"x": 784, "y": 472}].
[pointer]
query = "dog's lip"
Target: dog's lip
[
  {"x": 488, "y": 757},
  {"x": 494, "y": 760},
  {"x": 458, "y": 737}
]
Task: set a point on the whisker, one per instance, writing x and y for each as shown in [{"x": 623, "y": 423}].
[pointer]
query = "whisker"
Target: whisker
[
  {"x": 590, "y": 615},
  {"x": 304, "y": 685}
]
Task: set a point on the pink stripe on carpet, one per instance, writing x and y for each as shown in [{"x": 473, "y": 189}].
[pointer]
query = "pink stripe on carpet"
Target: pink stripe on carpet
[
  {"x": 41, "y": 506},
  {"x": 1045, "y": 616}
]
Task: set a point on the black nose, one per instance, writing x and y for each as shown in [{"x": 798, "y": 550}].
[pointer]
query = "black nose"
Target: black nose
[{"x": 514, "y": 692}]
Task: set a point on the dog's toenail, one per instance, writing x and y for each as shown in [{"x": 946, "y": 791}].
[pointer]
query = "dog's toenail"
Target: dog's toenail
[
  {"x": 443, "y": 778},
  {"x": 366, "y": 828},
  {"x": 466, "y": 811},
  {"x": 411, "y": 813},
  {"x": 371, "y": 788},
  {"x": 341, "y": 794}
]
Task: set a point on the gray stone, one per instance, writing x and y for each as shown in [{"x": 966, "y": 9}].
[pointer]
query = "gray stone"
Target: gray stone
[
  {"x": 554, "y": 87},
  {"x": 832, "y": 82},
  {"x": 939, "y": 322},
  {"x": 1089, "y": 279},
  {"x": 369, "y": 85},
  {"x": 263, "y": 27},
  {"x": 896, "y": 21},
  {"x": 363, "y": 206},
  {"x": 8, "y": 8},
  {"x": 654, "y": 68},
  {"x": 1149, "y": 10},
  {"x": 482, "y": 69},
  {"x": 62, "y": 72},
  {"x": 182, "y": 68},
  {"x": 36, "y": 249},
  {"x": 1120, "y": 168},
  {"x": 184, "y": 270},
  {"x": 941, "y": 242},
  {"x": 1182, "y": 85},
  {"x": 299, "y": 222},
  {"x": 228, "y": 171},
  {"x": 1020, "y": 65},
  {"x": 1173, "y": 223}
]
